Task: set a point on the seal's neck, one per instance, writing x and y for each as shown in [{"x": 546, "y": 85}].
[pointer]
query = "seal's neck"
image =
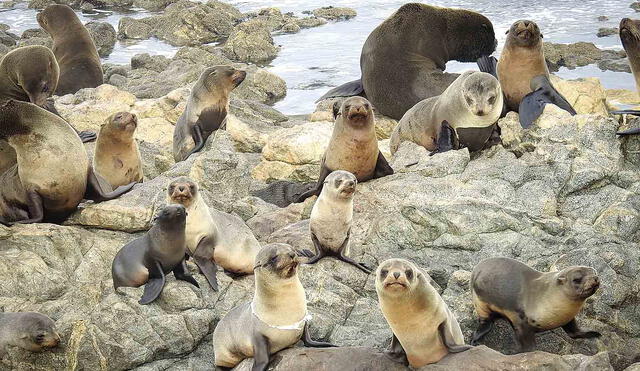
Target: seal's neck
[{"x": 279, "y": 302}]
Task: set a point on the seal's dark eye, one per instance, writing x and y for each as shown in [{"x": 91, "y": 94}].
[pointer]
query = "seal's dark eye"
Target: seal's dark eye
[
  {"x": 577, "y": 280},
  {"x": 192, "y": 187},
  {"x": 469, "y": 100},
  {"x": 408, "y": 273},
  {"x": 383, "y": 273},
  {"x": 45, "y": 88},
  {"x": 273, "y": 259},
  {"x": 492, "y": 99}
]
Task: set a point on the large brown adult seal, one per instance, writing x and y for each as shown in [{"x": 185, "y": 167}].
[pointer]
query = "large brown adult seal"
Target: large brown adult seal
[
  {"x": 531, "y": 301},
  {"x": 275, "y": 319},
  {"x": 148, "y": 259},
  {"x": 466, "y": 110},
  {"x": 206, "y": 109},
  {"x": 30, "y": 331},
  {"x": 404, "y": 58},
  {"x": 211, "y": 238},
  {"x": 52, "y": 173},
  {"x": 630, "y": 37},
  {"x": 116, "y": 157},
  {"x": 424, "y": 329},
  {"x": 74, "y": 49}
]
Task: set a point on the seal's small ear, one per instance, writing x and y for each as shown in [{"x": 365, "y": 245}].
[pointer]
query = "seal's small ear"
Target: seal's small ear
[
  {"x": 506, "y": 33},
  {"x": 561, "y": 279},
  {"x": 336, "y": 109},
  {"x": 541, "y": 36}
]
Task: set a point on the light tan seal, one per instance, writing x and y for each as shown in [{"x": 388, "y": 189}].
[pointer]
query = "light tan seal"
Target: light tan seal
[
  {"x": 531, "y": 301},
  {"x": 30, "y": 331},
  {"x": 206, "y": 109},
  {"x": 213, "y": 238},
  {"x": 424, "y": 329},
  {"x": 275, "y": 319},
  {"x": 470, "y": 106},
  {"x": 117, "y": 157},
  {"x": 75, "y": 51}
]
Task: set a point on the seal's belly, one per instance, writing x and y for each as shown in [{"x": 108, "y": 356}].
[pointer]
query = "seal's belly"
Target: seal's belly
[{"x": 421, "y": 342}]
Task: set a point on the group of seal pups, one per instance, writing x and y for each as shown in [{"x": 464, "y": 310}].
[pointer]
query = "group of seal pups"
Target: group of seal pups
[{"x": 45, "y": 173}]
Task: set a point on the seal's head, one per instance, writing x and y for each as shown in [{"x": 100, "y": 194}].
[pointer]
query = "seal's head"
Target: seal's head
[
  {"x": 183, "y": 191},
  {"x": 396, "y": 277},
  {"x": 340, "y": 185},
  {"x": 172, "y": 216},
  {"x": 34, "y": 70},
  {"x": 37, "y": 332},
  {"x": 630, "y": 34},
  {"x": 578, "y": 282},
  {"x": 57, "y": 18},
  {"x": 356, "y": 112},
  {"x": 120, "y": 126},
  {"x": 524, "y": 33},
  {"x": 482, "y": 93},
  {"x": 222, "y": 79},
  {"x": 277, "y": 260}
]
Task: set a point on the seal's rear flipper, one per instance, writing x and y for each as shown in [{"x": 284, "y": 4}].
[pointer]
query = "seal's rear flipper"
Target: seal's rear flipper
[
  {"x": 154, "y": 285},
  {"x": 447, "y": 139},
  {"x": 629, "y": 132},
  {"x": 345, "y": 90},
  {"x": 485, "y": 326},
  {"x": 396, "y": 352},
  {"x": 308, "y": 342},
  {"x": 573, "y": 330},
  {"x": 98, "y": 189},
  {"x": 448, "y": 339},
  {"x": 36, "y": 209},
  {"x": 382, "y": 167},
  {"x": 626, "y": 112},
  {"x": 488, "y": 64},
  {"x": 283, "y": 193},
  {"x": 181, "y": 272}
]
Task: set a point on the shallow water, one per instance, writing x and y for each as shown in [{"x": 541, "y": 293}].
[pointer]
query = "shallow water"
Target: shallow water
[{"x": 314, "y": 60}]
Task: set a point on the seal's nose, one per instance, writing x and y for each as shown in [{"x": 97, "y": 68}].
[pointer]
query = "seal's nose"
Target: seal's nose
[
  {"x": 181, "y": 188},
  {"x": 396, "y": 275},
  {"x": 350, "y": 183}
]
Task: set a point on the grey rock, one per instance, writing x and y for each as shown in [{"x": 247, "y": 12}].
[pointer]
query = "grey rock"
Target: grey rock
[
  {"x": 577, "y": 55},
  {"x": 603, "y": 18},
  {"x": 334, "y": 13},
  {"x": 251, "y": 41},
  {"x": 635, "y": 6},
  {"x": 606, "y": 31},
  {"x": 104, "y": 35}
]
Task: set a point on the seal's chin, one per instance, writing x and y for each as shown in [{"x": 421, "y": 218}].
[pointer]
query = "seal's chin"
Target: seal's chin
[
  {"x": 238, "y": 78},
  {"x": 395, "y": 285}
]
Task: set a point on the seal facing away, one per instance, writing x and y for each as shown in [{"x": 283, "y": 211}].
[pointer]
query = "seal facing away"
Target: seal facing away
[
  {"x": 116, "y": 157},
  {"x": 332, "y": 218},
  {"x": 206, "y": 109},
  {"x": 30, "y": 331},
  {"x": 147, "y": 260},
  {"x": 467, "y": 110},
  {"x": 74, "y": 49},
  {"x": 531, "y": 301},
  {"x": 424, "y": 329},
  {"x": 404, "y": 58},
  {"x": 52, "y": 173},
  {"x": 275, "y": 319},
  {"x": 212, "y": 239}
]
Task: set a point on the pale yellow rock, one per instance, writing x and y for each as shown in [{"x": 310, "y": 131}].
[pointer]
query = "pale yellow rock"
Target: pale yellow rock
[
  {"x": 586, "y": 95},
  {"x": 245, "y": 138},
  {"x": 622, "y": 99},
  {"x": 301, "y": 144},
  {"x": 269, "y": 171}
]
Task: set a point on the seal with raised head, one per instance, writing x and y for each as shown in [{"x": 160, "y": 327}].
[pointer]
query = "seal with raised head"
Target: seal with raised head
[
  {"x": 332, "y": 217},
  {"x": 210, "y": 238},
  {"x": 148, "y": 259},
  {"x": 52, "y": 173},
  {"x": 116, "y": 157},
  {"x": 630, "y": 38},
  {"x": 530, "y": 300},
  {"x": 73, "y": 47},
  {"x": 275, "y": 319},
  {"x": 206, "y": 109},
  {"x": 30, "y": 331},
  {"x": 467, "y": 110},
  {"x": 424, "y": 329},
  {"x": 404, "y": 58}
]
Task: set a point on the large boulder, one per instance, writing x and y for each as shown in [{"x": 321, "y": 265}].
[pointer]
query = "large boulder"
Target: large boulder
[
  {"x": 251, "y": 41},
  {"x": 104, "y": 35},
  {"x": 578, "y": 54}
]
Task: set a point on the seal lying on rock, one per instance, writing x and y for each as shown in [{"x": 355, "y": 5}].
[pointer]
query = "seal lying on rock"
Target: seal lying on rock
[
  {"x": 275, "y": 319},
  {"x": 146, "y": 260},
  {"x": 424, "y": 329},
  {"x": 52, "y": 173},
  {"x": 531, "y": 301},
  {"x": 403, "y": 59},
  {"x": 331, "y": 219},
  {"x": 206, "y": 109},
  {"x": 31, "y": 331},
  {"x": 468, "y": 110},
  {"x": 212, "y": 240}
]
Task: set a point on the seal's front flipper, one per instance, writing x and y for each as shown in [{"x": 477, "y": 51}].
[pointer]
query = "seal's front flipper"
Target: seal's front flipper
[
  {"x": 283, "y": 193},
  {"x": 573, "y": 330},
  {"x": 382, "y": 167},
  {"x": 154, "y": 285},
  {"x": 98, "y": 189},
  {"x": 447, "y": 139},
  {"x": 345, "y": 90},
  {"x": 629, "y": 132},
  {"x": 308, "y": 342},
  {"x": 87, "y": 136},
  {"x": 198, "y": 139},
  {"x": 449, "y": 341},
  {"x": 626, "y": 112},
  {"x": 181, "y": 272},
  {"x": 346, "y": 259},
  {"x": 488, "y": 64},
  {"x": 531, "y": 107},
  {"x": 320, "y": 251},
  {"x": 260, "y": 351},
  {"x": 202, "y": 257},
  {"x": 396, "y": 352}
]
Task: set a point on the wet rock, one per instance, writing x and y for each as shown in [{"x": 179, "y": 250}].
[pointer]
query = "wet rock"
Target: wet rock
[
  {"x": 104, "y": 35},
  {"x": 251, "y": 41},
  {"x": 605, "y": 31},
  {"x": 335, "y": 13},
  {"x": 8, "y": 39},
  {"x": 291, "y": 27},
  {"x": 131, "y": 28},
  {"x": 635, "y": 6},
  {"x": 615, "y": 65},
  {"x": 309, "y": 22},
  {"x": 40, "y": 4},
  {"x": 620, "y": 98},
  {"x": 153, "y": 5},
  {"x": 603, "y": 18},
  {"x": 577, "y": 55}
]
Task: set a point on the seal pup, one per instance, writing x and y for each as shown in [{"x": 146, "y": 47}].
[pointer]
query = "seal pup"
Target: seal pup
[
  {"x": 206, "y": 109},
  {"x": 147, "y": 260},
  {"x": 542, "y": 92},
  {"x": 531, "y": 301},
  {"x": 116, "y": 157},
  {"x": 424, "y": 329},
  {"x": 469, "y": 108},
  {"x": 331, "y": 219},
  {"x": 404, "y": 58},
  {"x": 73, "y": 47},
  {"x": 275, "y": 319},
  {"x": 52, "y": 173},
  {"x": 212, "y": 240},
  {"x": 30, "y": 331},
  {"x": 630, "y": 38}
]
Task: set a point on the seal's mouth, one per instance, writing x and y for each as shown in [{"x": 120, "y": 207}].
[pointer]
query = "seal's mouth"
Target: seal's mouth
[
  {"x": 395, "y": 284},
  {"x": 359, "y": 115},
  {"x": 290, "y": 269},
  {"x": 181, "y": 198},
  {"x": 238, "y": 77},
  {"x": 589, "y": 288},
  {"x": 524, "y": 34}
]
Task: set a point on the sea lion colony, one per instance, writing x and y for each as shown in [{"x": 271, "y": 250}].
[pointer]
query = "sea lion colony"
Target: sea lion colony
[{"x": 437, "y": 118}]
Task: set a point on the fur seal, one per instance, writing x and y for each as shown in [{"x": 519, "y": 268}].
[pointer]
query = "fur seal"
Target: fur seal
[
  {"x": 531, "y": 301},
  {"x": 52, "y": 173},
  {"x": 542, "y": 92},
  {"x": 630, "y": 37},
  {"x": 275, "y": 319},
  {"x": 30, "y": 331},
  {"x": 424, "y": 329},
  {"x": 331, "y": 219},
  {"x": 116, "y": 157},
  {"x": 211, "y": 240},
  {"x": 73, "y": 47},
  {"x": 147, "y": 260},
  {"x": 473, "y": 101},
  {"x": 404, "y": 58},
  {"x": 206, "y": 109}
]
